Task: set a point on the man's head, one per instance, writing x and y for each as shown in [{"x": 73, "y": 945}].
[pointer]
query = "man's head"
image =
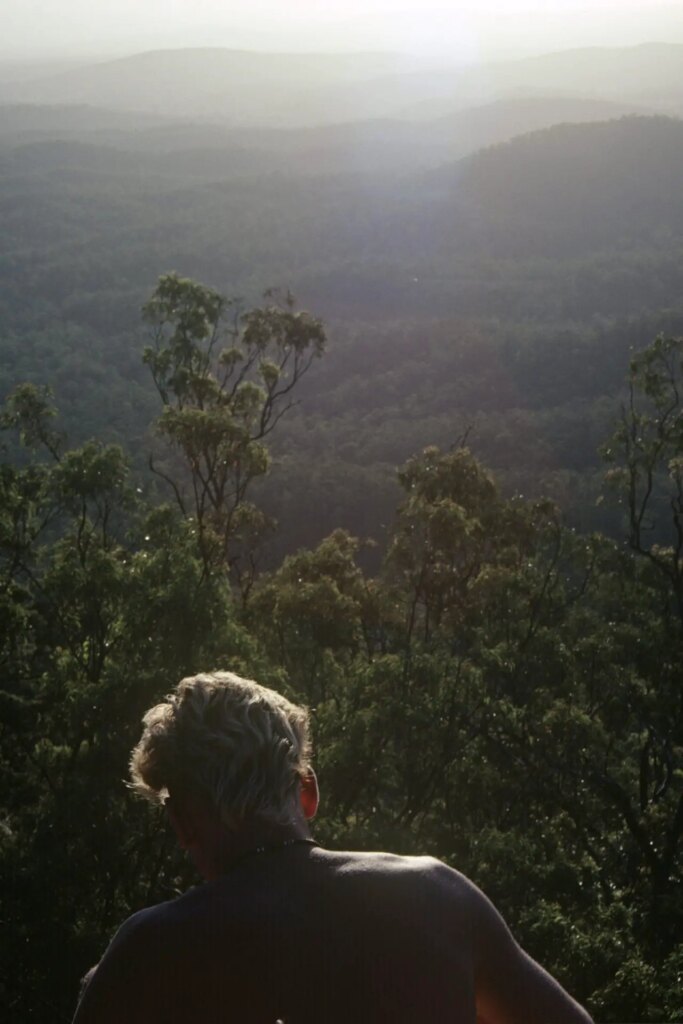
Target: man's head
[{"x": 239, "y": 747}]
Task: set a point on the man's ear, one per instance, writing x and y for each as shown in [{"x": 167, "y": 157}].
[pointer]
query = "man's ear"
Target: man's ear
[{"x": 309, "y": 795}]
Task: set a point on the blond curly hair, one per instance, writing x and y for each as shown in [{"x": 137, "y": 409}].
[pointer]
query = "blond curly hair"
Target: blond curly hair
[{"x": 243, "y": 746}]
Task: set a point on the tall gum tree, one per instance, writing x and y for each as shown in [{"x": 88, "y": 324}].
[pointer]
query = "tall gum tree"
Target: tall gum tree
[
  {"x": 645, "y": 456},
  {"x": 225, "y": 378}
]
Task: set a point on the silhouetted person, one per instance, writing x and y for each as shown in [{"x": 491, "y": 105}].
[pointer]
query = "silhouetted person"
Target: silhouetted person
[{"x": 283, "y": 930}]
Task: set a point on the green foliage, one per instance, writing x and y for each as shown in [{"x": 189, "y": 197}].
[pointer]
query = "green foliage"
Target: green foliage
[
  {"x": 648, "y": 446},
  {"x": 103, "y": 604},
  {"x": 451, "y": 302},
  {"x": 224, "y": 388},
  {"x": 505, "y": 696},
  {"x": 504, "y": 693}
]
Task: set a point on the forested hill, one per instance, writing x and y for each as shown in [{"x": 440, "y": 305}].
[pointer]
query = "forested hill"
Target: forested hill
[
  {"x": 605, "y": 191},
  {"x": 572, "y": 187},
  {"x": 502, "y": 290},
  {"x": 346, "y": 240}
]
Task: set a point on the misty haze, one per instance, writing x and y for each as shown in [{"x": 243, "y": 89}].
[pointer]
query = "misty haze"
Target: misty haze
[{"x": 450, "y": 521}]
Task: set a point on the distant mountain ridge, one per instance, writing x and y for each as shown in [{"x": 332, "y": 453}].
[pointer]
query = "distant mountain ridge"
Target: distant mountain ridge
[
  {"x": 242, "y": 88},
  {"x": 605, "y": 70},
  {"x": 232, "y": 85},
  {"x": 212, "y": 150},
  {"x": 648, "y": 74}
]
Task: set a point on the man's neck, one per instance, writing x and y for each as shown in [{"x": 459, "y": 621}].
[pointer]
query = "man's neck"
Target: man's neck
[{"x": 254, "y": 838}]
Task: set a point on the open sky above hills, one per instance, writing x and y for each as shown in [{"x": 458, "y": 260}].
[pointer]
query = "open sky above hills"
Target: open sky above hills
[{"x": 452, "y": 32}]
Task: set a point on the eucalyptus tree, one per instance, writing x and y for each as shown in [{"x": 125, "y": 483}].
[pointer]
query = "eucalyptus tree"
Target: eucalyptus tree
[
  {"x": 647, "y": 455},
  {"x": 225, "y": 377}
]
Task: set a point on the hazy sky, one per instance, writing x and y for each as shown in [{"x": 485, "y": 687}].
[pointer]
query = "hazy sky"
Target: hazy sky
[{"x": 455, "y": 30}]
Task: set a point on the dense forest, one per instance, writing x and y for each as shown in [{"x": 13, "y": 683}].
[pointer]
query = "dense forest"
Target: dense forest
[
  {"x": 487, "y": 294},
  {"x": 504, "y": 693},
  {"x": 444, "y": 509}
]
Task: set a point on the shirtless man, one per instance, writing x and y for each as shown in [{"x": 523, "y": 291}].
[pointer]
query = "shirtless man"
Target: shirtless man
[{"x": 283, "y": 930}]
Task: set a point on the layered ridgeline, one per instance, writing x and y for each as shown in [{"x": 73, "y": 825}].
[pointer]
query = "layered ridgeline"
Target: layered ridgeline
[
  {"x": 499, "y": 292},
  {"x": 244, "y": 88},
  {"x": 152, "y": 144}
]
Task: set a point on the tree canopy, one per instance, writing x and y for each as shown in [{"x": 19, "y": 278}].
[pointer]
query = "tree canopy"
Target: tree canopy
[{"x": 503, "y": 692}]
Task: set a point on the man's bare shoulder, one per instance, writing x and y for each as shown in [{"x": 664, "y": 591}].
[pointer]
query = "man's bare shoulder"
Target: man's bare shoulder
[
  {"x": 378, "y": 861},
  {"x": 451, "y": 881},
  {"x": 510, "y": 987},
  {"x": 138, "y": 954},
  {"x": 431, "y": 881}
]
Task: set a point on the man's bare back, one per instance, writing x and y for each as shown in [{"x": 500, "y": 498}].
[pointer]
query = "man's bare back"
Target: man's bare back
[
  {"x": 284, "y": 930},
  {"x": 305, "y": 935}
]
